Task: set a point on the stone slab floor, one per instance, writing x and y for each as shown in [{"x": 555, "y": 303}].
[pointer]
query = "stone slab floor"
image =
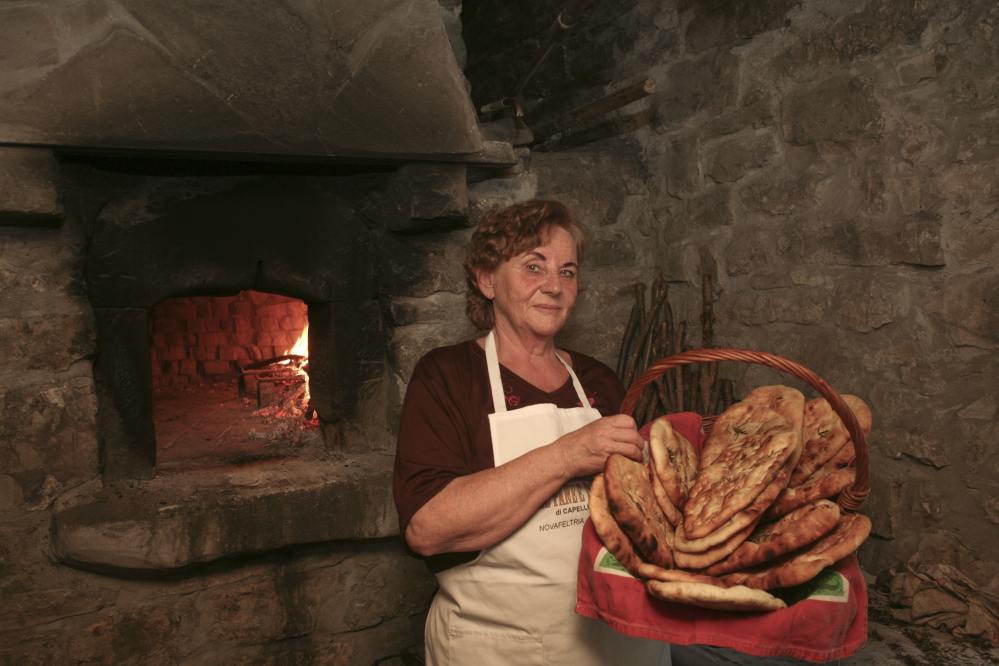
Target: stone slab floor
[{"x": 892, "y": 643}]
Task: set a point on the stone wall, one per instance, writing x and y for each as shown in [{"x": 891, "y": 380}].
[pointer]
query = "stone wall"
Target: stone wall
[
  {"x": 343, "y": 602},
  {"x": 195, "y": 337},
  {"x": 833, "y": 166}
]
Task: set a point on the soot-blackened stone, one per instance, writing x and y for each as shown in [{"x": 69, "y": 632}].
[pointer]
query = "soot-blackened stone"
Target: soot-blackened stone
[
  {"x": 123, "y": 379},
  {"x": 288, "y": 236}
]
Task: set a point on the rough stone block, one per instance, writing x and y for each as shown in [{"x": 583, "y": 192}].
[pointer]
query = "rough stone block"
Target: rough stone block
[
  {"x": 40, "y": 273},
  {"x": 923, "y": 67},
  {"x": 877, "y": 26},
  {"x": 731, "y": 159},
  {"x": 796, "y": 305},
  {"x": 750, "y": 250},
  {"x": 144, "y": 633},
  {"x": 418, "y": 266},
  {"x": 48, "y": 431},
  {"x": 975, "y": 243},
  {"x": 757, "y": 111},
  {"x": 427, "y": 198},
  {"x": 732, "y": 21},
  {"x": 709, "y": 210},
  {"x": 867, "y": 303},
  {"x": 410, "y": 343},
  {"x": 611, "y": 250},
  {"x": 863, "y": 242},
  {"x": 440, "y": 308},
  {"x": 187, "y": 368},
  {"x": 837, "y": 109},
  {"x": 971, "y": 184},
  {"x": 49, "y": 342},
  {"x": 594, "y": 186},
  {"x": 704, "y": 86},
  {"x": 54, "y": 597},
  {"x": 968, "y": 305},
  {"x": 29, "y": 177},
  {"x": 682, "y": 166}
]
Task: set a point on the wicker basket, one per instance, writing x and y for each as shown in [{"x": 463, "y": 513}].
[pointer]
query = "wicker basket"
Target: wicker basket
[{"x": 852, "y": 498}]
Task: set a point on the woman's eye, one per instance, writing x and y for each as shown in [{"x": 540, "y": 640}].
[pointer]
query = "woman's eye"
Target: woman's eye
[
  {"x": 533, "y": 268},
  {"x": 568, "y": 273}
]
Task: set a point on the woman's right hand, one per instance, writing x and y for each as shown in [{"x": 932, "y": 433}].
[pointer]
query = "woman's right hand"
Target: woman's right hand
[{"x": 586, "y": 450}]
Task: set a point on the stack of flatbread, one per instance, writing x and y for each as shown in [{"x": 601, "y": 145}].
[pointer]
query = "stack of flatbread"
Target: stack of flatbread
[{"x": 751, "y": 513}]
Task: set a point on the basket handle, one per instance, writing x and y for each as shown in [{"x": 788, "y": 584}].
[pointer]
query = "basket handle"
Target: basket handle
[{"x": 852, "y": 498}]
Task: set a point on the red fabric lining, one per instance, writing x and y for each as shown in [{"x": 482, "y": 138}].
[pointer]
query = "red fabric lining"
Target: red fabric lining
[{"x": 813, "y": 630}]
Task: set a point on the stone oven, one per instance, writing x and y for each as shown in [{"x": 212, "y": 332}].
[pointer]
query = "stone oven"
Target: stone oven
[{"x": 168, "y": 170}]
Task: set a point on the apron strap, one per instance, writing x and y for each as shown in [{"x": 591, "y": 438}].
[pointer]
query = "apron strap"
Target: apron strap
[{"x": 496, "y": 384}]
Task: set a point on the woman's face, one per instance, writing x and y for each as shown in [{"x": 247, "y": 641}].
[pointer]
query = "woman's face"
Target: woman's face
[{"x": 534, "y": 291}]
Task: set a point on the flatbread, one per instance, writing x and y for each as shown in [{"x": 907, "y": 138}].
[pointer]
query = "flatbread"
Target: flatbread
[
  {"x": 805, "y": 563},
  {"x": 789, "y": 403},
  {"x": 674, "y": 461},
  {"x": 610, "y": 533},
  {"x": 842, "y": 459},
  {"x": 823, "y": 484},
  {"x": 825, "y": 434},
  {"x": 739, "y": 520},
  {"x": 713, "y": 554},
  {"x": 652, "y": 572},
  {"x": 634, "y": 507},
  {"x": 767, "y": 542},
  {"x": 750, "y": 445},
  {"x": 671, "y": 513},
  {"x": 703, "y": 595}
]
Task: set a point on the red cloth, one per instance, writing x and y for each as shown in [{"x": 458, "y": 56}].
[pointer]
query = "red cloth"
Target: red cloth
[{"x": 821, "y": 628}]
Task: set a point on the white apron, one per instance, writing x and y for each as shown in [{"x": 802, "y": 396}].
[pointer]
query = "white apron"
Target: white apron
[{"x": 513, "y": 605}]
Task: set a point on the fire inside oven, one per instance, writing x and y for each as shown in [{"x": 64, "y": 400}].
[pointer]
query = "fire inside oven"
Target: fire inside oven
[{"x": 230, "y": 378}]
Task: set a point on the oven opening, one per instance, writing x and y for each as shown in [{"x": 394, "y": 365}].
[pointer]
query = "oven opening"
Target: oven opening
[{"x": 230, "y": 379}]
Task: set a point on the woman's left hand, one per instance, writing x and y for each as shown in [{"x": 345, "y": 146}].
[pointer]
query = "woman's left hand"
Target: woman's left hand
[{"x": 585, "y": 451}]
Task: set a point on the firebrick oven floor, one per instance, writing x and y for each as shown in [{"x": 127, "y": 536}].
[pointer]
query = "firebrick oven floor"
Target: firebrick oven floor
[{"x": 210, "y": 423}]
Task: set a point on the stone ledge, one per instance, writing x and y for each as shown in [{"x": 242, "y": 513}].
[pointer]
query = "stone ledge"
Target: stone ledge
[
  {"x": 29, "y": 195},
  {"x": 185, "y": 518}
]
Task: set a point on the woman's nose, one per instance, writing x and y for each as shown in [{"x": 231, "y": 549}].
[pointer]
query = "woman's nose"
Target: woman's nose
[{"x": 552, "y": 283}]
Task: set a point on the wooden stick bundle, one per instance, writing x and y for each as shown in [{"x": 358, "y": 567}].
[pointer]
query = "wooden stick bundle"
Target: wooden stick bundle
[{"x": 652, "y": 335}]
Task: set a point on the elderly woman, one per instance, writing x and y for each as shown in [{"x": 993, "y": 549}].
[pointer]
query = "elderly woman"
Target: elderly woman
[{"x": 497, "y": 440}]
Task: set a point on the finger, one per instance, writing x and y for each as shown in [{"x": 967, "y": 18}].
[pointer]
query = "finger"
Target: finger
[
  {"x": 631, "y": 451},
  {"x": 621, "y": 421}
]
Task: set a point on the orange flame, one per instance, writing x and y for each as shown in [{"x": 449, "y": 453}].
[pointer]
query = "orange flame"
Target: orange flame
[{"x": 301, "y": 347}]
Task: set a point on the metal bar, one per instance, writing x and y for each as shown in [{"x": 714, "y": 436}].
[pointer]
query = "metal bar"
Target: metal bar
[
  {"x": 559, "y": 31},
  {"x": 601, "y": 106}
]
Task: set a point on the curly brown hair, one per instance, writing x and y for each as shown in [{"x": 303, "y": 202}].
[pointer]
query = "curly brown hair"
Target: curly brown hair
[{"x": 504, "y": 233}]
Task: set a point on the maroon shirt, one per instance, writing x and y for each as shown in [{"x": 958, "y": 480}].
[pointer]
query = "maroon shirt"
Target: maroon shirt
[{"x": 444, "y": 429}]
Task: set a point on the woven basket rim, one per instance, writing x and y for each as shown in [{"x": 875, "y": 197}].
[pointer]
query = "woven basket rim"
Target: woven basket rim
[{"x": 853, "y": 497}]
